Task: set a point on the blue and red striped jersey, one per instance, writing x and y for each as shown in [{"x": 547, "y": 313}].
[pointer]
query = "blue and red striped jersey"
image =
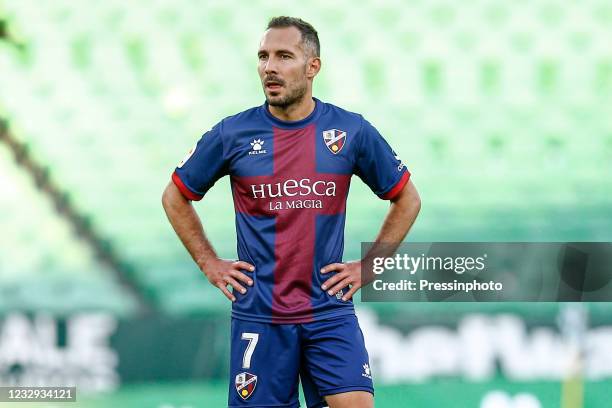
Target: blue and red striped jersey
[{"x": 290, "y": 182}]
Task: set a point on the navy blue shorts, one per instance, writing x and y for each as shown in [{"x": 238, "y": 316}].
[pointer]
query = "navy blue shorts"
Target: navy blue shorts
[{"x": 268, "y": 360}]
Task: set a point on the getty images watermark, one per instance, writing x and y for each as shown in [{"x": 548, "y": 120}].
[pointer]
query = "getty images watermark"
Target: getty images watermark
[
  {"x": 484, "y": 272},
  {"x": 411, "y": 265}
]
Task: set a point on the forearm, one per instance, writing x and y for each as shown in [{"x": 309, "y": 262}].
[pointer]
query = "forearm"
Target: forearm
[
  {"x": 400, "y": 218},
  {"x": 187, "y": 225}
]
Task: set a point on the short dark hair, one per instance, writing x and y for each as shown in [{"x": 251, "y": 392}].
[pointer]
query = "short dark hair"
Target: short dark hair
[{"x": 310, "y": 38}]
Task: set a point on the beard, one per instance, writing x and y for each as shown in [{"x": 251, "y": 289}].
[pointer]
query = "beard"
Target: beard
[{"x": 292, "y": 96}]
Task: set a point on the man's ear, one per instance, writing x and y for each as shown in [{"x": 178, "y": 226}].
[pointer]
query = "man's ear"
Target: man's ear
[{"x": 313, "y": 67}]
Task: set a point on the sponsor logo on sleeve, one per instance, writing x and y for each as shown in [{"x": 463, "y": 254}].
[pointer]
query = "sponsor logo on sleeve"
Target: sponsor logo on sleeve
[
  {"x": 187, "y": 157},
  {"x": 367, "y": 373}
]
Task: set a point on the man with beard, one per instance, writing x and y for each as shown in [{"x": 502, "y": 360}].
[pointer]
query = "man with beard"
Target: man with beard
[{"x": 292, "y": 314}]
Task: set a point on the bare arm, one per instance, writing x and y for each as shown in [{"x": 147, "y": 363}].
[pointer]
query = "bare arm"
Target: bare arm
[
  {"x": 401, "y": 216},
  {"x": 188, "y": 227},
  {"x": 403, "y": 211}
]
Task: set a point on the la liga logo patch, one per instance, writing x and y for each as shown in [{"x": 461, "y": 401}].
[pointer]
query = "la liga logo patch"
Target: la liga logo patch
[
  {"x": 334, "y": 139},
  {"x": 245, "y": 384},
  {"x": 187, "y": 157}
]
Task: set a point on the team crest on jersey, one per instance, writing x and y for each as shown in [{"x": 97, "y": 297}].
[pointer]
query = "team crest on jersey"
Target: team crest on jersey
[
  {"x": 245, "y": 384},
  {"x": 334, "y": 139}
]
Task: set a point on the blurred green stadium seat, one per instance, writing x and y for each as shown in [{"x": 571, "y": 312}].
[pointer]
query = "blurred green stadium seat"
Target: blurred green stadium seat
[{"x": 43, "y": 266}]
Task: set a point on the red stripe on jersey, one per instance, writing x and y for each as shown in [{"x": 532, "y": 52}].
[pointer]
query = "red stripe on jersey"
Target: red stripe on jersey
[
  {"x": 190, "y": 195},
  {"x": 389, "y": 195},
  {"x": 294, "y": 159}
]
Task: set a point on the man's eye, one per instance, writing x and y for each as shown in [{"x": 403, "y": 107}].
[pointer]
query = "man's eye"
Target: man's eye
[
  {"x": 285, "y": 56},
  {"x": 262, "y": 57}
]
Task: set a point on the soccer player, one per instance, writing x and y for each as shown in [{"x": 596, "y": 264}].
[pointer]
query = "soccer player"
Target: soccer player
[{"x": 290, "y": 163}]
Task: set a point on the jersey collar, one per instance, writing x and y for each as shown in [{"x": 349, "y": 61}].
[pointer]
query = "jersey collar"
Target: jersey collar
[{"x": 293, "y": 124}]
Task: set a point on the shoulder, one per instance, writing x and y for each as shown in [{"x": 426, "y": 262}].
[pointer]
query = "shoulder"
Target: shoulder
[
  {"x": 342, "y": 114},
  {"x": 242, "y": 120},
  {"x": 354, "y": 122},
  {"x": 228, "y": 129}
]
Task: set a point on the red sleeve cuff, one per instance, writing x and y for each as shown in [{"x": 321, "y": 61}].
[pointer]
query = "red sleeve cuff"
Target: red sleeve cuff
[
  {"x": 389, "y": 195},
  {"x": 190, "y": 195}
]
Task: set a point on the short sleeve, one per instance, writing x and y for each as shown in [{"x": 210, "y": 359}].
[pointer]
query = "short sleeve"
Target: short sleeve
[
  {"x": 378, "y": 165},
  {"x": 203, "y": 165}
]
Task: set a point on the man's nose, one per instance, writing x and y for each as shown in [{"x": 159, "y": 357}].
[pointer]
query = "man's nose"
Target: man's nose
[{"x": 271, "y": 66}]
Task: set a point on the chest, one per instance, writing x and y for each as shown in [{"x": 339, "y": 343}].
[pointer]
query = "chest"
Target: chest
[{"x": 293, "y": 153}]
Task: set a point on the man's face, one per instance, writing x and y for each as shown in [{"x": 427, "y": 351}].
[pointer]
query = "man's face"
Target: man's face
[{"x": 283, "y": 66}]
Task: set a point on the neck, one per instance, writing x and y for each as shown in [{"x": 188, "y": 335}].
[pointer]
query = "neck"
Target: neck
[{"x": 296, "y": 111}]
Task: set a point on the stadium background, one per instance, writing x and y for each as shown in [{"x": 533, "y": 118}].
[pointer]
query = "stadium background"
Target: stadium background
[{"x": 501, "y": 109}]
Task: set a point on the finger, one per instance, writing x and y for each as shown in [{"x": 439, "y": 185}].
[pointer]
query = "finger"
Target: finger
[
  {"x": 333, "y": 267},
  {"x": 243, "y": 265},
  {"x": 226, "y": 292},
  {"x": 332, "y": 281},
  {"x": 231, "y": 281},
  {"x": 351, "y": 292},
  {"x": 242, "y": 277},
  {"x": 341, "y": 285}
]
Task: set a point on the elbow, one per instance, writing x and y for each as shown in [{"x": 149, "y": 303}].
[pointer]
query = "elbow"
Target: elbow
[
  {"x": 170, "y": 196},
  {"x": 409, "y": 200},
  {"x": 416, "y": 201},
  {"x": 165, "y": 198},
  {"x": 413, "y": 205}
]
